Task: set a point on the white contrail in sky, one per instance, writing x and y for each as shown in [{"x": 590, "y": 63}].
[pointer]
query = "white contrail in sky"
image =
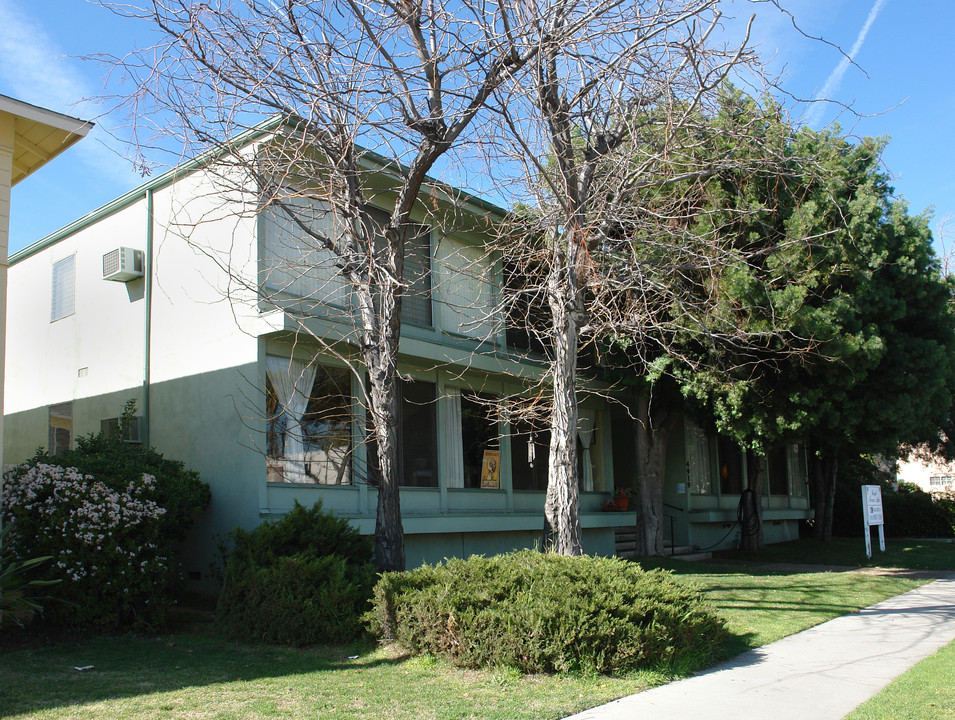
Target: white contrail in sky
[{"x": 835, "y": 77}]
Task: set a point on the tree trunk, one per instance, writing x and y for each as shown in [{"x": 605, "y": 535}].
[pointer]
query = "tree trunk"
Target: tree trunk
[
  {"x": 389, "y": 532},
  {"x": 652, "y": 438},
  {"x": 756, "y": 474},
  {"x": 381, "y": 332},
  {"x": 562, "y": 506},
  {"x": 823, "y": 479}
]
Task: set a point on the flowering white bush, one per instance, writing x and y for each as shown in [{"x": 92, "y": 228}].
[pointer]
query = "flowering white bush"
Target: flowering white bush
[{"x": 104, "y": 543}]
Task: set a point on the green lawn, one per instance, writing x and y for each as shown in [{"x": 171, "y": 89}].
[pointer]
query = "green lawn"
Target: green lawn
[
  {"x": 926, "y": 692},
  {"x": 916, "y": 554},
  {"x": 193, "y": 674}
]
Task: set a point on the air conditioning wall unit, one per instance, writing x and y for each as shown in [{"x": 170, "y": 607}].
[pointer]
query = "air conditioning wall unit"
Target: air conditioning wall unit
[{"x": 123, "y": 264}]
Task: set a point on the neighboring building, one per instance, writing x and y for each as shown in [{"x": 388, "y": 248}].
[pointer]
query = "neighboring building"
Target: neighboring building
[
  {"x": 139, "y": 300},
  {"x": 30, "y": 137},
  {"x": 931, "y": 475}
]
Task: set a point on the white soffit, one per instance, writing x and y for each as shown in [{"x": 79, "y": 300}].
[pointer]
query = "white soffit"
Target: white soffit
[{"x": 39, "y": 135}]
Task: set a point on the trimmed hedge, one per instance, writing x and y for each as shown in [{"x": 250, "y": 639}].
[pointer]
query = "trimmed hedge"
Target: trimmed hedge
[
  {"x": 303, "y": 579},
  {"x": 909, "y": 511},
  {"x": 547, "y": 613}
]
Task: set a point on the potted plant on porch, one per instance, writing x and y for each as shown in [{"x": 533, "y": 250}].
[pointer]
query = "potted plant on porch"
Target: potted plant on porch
[{"x": 621, "y": 498}]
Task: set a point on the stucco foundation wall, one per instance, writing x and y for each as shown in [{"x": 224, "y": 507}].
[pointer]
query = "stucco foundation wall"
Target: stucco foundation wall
[
  {"x": 211, "y": 423},
  {"x": 433, "y": 548},
  {"x": 723, "y": 536},
  {"x": 26, "y": 431}
]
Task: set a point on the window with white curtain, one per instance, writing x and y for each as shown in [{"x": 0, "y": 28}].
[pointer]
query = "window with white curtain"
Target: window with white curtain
[
  {"x": 699, "y": 475},
  {"x": 309, "y": 409},
  {"x": 61, "y": 304}
]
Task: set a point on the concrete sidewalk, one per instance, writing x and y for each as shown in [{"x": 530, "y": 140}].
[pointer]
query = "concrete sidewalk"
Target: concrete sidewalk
[{"x": 822, "y": 673}]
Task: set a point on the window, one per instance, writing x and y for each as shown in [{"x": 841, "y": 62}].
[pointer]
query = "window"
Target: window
[
  {"x": 309, "y": 414},
  {"x": 466, "y": 290},
  {"x": 698, "y": 471},
  {"x": 778, "y": 466},
  {"x": 326, "y": 427},
  {"x": 479, "y": 438},
  {"x": 797, "y": 470},
  {"x": 295, "y": 261},
  {"x": 61, "y": 428},
  {"x": 110, "y": 427},
  {"x": 530, "y": 453},
  {"x": 297, "y": 264},
  {"x": 62, "y": 295},
  {"x": 416, "y": 299},
  {"x": 418, "y": 435},
  {"x": 731, "y": 468},
  {"x": 527, "y": 317}
]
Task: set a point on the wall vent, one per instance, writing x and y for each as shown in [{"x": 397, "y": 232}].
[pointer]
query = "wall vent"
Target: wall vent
[{"x": 123, "y": 264}]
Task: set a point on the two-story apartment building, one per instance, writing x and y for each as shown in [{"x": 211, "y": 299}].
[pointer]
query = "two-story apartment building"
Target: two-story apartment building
[{"x": 158, "y": 297}]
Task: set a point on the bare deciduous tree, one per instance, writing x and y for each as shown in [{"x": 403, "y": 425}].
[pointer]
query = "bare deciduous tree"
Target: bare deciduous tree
[
  {"x": 601, "y": 100},
  {"x": 618, "y": 132},
  {"x": 408, "y": 78}
]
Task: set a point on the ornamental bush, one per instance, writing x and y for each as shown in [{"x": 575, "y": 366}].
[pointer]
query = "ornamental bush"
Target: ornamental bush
[
  {"x": 110, "y": 514},
  {"x": 303, "y": 579},
  {"x": 104, "y": 544},
  {"x": 547, "y": 613},
  {"x": 117, "y": 463}
]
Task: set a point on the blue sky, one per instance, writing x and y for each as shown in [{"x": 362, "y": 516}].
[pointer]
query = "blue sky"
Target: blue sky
[{"x": 904, "y": 87}]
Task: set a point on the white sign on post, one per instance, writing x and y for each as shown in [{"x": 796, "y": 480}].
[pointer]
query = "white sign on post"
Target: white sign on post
[{"x": 872, "y": 515}]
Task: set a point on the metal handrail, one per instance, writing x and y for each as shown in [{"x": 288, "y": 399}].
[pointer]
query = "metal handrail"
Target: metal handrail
[{"x": 672, "y": 519}]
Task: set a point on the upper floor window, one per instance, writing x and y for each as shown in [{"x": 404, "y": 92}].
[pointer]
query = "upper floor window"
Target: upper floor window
[
  {"x": 298, "y": 263},
  {"x": 416, "y": 299},
  {"x": 63, "y": 281},
  {"x": 466, "y": 290}
]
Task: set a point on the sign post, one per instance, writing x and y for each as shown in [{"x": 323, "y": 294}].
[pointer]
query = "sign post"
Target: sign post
[{"x": 872, "y": 515}]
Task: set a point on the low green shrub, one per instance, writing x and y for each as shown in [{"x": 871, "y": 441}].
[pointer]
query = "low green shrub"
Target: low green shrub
[
  {"x": 303, "y": 579},
  {"x": 546, "y": 613}
]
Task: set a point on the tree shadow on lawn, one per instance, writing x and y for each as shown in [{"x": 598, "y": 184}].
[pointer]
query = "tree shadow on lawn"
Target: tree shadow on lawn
[
  {"x": 40, "y": 675},
  {"x": 778, "y": 601}
]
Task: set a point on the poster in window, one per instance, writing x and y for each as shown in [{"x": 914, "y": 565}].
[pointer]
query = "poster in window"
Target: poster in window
[{"x": 491, "y": 470}]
